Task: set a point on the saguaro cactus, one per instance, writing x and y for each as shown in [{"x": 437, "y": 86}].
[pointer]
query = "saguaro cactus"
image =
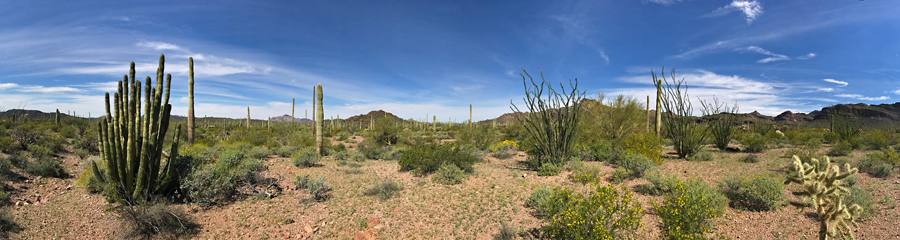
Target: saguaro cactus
[
  {"x": 293, "y": 101},
  {"x": 248, "y": 117},
  {"x": 319, "y": 119},
  {"x": 132, "y": 143},
  {"x": 822, "y": 190},
  {"x": 470, "y": 116},
  {"x": 190, "y": 116},
  {"x": 433, "y": 123},
  {"x": 57, "y": 116}
]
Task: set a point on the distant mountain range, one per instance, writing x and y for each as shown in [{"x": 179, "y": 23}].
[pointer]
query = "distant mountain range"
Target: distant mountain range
[{"x": 882, "y": 113}]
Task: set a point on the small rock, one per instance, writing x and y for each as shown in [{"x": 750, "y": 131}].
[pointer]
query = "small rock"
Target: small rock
[
  {"x": 524, "y": 175},
  {"x": 69, "y": 187}
]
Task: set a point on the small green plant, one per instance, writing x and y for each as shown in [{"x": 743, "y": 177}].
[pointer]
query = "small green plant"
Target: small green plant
[
  {"x": 425, "y": 159},
  {"x": 505, "y": 149},
  {"x": 549, "y": 169},
  {"x": 155, "y": 220},
  {"x": 755, "y": 194},
  {"x": 883, "y": 170},
  {"x": 217, "y": 183},
  {"x": 448, "y": 174},
  {"x": 585, "y": 174},
  {"x": 606, "y": 213},
  {"x": 851, "y": 181},
  {"x": 646, "y": 145},
  {"x": 384, "y": 189},
  {"x": 700, "y": 156},
  {"x": 541, "y": 201},
  {"x": 637, "y": 164},
  {"x": 880, "y": 164},
  {"x": 660, "y": 183},
  {"x": 861, "y": 197},
  {"x": 750, "y": 158},
  {"x": 506, "y": 232},
  {"x": 46, "y": 167},
  {"x": 840, "y": 148},
  {"x": 306, "y": 157},
  {"x": 754, "y": 142},
  {"x": 687, "y": 212},
  {"x": 318, "y": 189},
  {"x": 7, "y": 222}
]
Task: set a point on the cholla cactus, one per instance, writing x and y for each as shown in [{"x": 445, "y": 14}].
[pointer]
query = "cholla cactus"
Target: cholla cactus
[{"x": 821, "y": 190}]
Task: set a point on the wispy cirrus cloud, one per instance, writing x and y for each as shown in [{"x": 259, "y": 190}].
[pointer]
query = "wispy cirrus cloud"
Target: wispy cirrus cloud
[
  {"x": 807, "y": 56},
  {"x": 861, "y": 97},
  {"x": 773, "y": 57},
  {"x": 663, "y": 2},
  {"x": 842, "y": 83},
  {"x": 750, "y": 9}
]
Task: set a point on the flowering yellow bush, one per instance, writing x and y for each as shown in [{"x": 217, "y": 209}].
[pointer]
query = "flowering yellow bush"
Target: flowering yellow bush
[
  {"x": 607, "y": 213},
  {"x": 644, "y": 144},
  {"x": 686, "y": 213},
  {"x": 506, "y": 144}
]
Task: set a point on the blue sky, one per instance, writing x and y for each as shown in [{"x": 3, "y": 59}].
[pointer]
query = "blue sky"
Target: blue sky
[{"x": 414, "y": 58}]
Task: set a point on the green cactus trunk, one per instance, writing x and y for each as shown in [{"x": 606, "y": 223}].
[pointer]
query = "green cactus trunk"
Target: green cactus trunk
[
  {"x": 470, "y": 116},
  {"x": 648, "y": 113},
  {"x": 131, "y": 143},
  {"x": 319, "y": 119},
  {"x": 248, "y": 117},
  {"x": 190, "y": 116},
  {"x": 57, "y": 117},
  {"x": 293, "y": 101},
  {"x": 433, "y": 123}
]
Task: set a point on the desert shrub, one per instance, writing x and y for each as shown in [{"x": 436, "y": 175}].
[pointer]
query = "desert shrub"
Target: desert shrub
[
  {"x": 217, "y": 183},
  {"x": 87, "y": 179},
  {"x": 318, "y": 188},
  {"x": 24, "y": 137},
  {"x": 505, "y": 149},
  {"x": 606, "y": 213},
  {"x": 340, "y": 155},
  {"x": 7, "y": 222},
  {"x": 845, "y": 127},
  {"x": 4, "y": 197},
  {"x": 88, "y": 143},
  {"x": 851, "y": 180},
  {"x": 394, "y": 153},
  {"x": 883, "y": 170},
  {"x": 306, "y": 157},
  {"x": 356, "y": 156},
  {"x": 480, "y": 136},
  {"x": 723, "y": 121},
  {"x": 586, "y": 174},
  {"x": 506, "y": 232},
  {"x": 6, "y": 169},
  {"x": 285, "y": 151},
  {"x": 612, "y": 119},
  {"x": 301, "y": 180},
  {"x": 605, "y": 151},
  {"x": 659, "y": 183},
  {"x": 687, "y": 212},
  {"x": 647, "y": 145},
  {"x": 637, "y": 164},
  {"x": 863, "y": 198},
  {"x": 620, "y": 175},
  {"x": 448, "y": 174},
  {"x": 750, "y": 158},
  {"x": 18, "y": 159},
  {"x": 8, "y": 145},
  {"x": 258, "y": 152},
  {"x": 156, "y": 220},
  {"x": 40, "y": 151},
  {"x": 425, "y": 159},
  {"x": 754, "y": 142},
  {"x": 370, "y": 149},
  {"x": 840, "y": 148},
  {"x": 876, "y": 139},
  {"x": 541, "y": 200},
  {"x": 385, "y": 132},
  {"x": 552, "y": 126},
  {"x": 384, "y": 189},
  {"x": 46, "y": 167},
  {"x": 701, "y": 156},
  {"x": 549, "y": 169},
  {"x": 755, "y": 194}
]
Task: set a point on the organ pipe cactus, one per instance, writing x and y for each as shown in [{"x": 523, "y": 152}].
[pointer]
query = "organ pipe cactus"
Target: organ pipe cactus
[
  {"x": 319, "y": 119},
  {"x": 131, "y": 143},
  {"x": 821, "y": 190}
]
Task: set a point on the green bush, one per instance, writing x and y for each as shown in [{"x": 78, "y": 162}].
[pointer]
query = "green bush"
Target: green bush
[
  {"x": 394, "y": 153},
  {"x": 259, "y": 152},
  {"x": 687, "y": 212},
  {"x": 883, "y": 170},
  {"x": 660, "y": 183},
  {"x": 700, "y": 156},
  {"x": 306, "y": 157},
  {"x": 879, "y": 164},
  {"x": 8, "y": 145},
  {"x": 7, "y": 222},
  {"x": 541, "y": 200},
  {"x": 386, "y": 132},
  {"x": 585, "y": 174},
  {"x": 876, "y": 139},
  {"x": 217, "y": 183},
  {"x": 620, "y": 175},
  {"x": 371, "y": 150},
  {"x": 647, "y": 145},
  {"x": 549, "y": 169},
  {"x": 318, "y": 188},
  {"x": 754, "y": 142},
  {"x": 384, "y": 189},
  {"x": 425, "y": 159},
  {"x": 505, "y": 233},
  {"x": 851, "y": 180},
  {"x": 840, "y": 148},
  {"x": 40, "y": 151},
  {"x": 861, "y": 197},
  {"x": 448, "y": 174},
  {"x": 750, "y": 158},
  {"x": 607, "y": 213},
  {"x": 46, "y": 167},
  {"x": 285, "y": 151},
  {"x": 755, "y": 194},
  {"x": 637, "y": 164},
  {"x": 481, "y": 136}
]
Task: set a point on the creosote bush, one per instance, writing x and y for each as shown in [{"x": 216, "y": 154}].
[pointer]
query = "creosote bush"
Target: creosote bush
[
  {"x": 750, "y": 158},
  {"x": 754, "y": 142},
  {"x": 755, "y": 194},
  {"x": 217, "y": 183},
  {"x": 700, "y": 156},
  {"x": 840, "y": 148},
  {"x": 687, "y": 212},
  {"x": 425, "y": 159},
  {"x": 605, "y": 213},
  {"x": 637, "y": 164},
  {"x": 384, "y": 189},
  {"x": 306, "y": 157},
  {"x": 46, "y": 167},
  {"x": 448, "y": 174}
]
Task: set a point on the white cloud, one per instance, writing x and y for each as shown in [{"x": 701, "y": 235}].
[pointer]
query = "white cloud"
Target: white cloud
[
  {"x": 825, "y": 89},
  {"x": 159, "y": 45},
  {"x": 807, "y": 56},
  {"x": 842, "y": 83},
  {"x": 773, "y": 56},
  {"x": 895, "y": 91},
  {"x": 750, "y": 9},
  {"x": 664, "y": 2},
  {"x": 4, "y": 86},
  {"x": 42, "y": 89},
  {"x": 861, "y": 97}
]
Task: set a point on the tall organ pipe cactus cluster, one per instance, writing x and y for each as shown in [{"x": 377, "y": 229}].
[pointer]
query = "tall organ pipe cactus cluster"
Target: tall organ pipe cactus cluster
[
  {"x": 131, "y": 143},
  {"x": 822, "y": 190}
]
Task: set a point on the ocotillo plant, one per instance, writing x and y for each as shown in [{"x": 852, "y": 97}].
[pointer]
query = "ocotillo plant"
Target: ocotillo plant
[
  {"x": 132, "y": 143},
  {"x": 658, "y": 106},
  {"x": 190, "y": 116},
  {"x": 686, "y": 135},
  {"x": 319, "y": 119},
  {"x": 552, "y": 123},
  {"x": 57, "y": 117},
  {"x": 315, "y": 118},
  {"x": 822, "y": 190},
  {"x": 724, "y": 122}
]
